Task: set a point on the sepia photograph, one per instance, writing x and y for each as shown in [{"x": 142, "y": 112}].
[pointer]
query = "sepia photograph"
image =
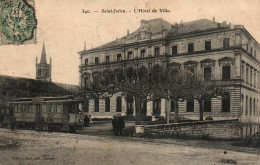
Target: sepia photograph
[{"x": 141, "y": 82}]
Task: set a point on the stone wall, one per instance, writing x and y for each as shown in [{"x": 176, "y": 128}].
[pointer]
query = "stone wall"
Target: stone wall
[{"x": 222, "y": 129}]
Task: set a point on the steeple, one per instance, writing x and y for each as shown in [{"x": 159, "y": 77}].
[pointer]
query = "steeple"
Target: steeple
[
  {"x": 43, "y": 69},
  {"x": 43, "y": 56}
]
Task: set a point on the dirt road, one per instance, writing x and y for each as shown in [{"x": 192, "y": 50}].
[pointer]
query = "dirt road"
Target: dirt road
[{"x": 62, "y": 148}]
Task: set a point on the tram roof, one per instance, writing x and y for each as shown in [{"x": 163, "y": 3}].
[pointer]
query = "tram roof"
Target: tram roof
[{"x": 48, "y": 99}]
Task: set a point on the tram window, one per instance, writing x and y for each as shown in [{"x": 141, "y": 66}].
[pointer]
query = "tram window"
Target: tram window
[
  {"x": 59, "y": 108},
  {"x": 44, "y": 108},
  {"x": 55, "y": 108}
]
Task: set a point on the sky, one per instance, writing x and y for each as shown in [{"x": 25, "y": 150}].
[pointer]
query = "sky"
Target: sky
[{"x": 64, "y": 29}]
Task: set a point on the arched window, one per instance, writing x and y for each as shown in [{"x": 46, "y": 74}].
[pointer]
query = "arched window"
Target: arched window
[
  {"x": 107, "y": 104},
  {"x": 96, "y": 105},
  {"x": 86, "y": 106},
  {"x": 119, "y": 104}
]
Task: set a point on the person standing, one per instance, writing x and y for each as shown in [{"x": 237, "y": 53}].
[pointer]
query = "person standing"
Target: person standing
[
  {"x": 86, "y": 121},
  {"x": 114, "y": 125},
  {"x": 41, "y": 123},
  {"x": 120, "y": 125},
  {"x": 50, "y": 122},
  {"x": 13, "y": 122}
]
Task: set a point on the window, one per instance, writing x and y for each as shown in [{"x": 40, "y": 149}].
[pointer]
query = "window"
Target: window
[
  {"x": 246, "y": 105},
  {"x": 250, "y": 107},
  {"x": 242, "y": 72},
  {"x": 207, "y": 45},
  {"x": 191, "y": 70},
  {"x": 96, "y": 105},
  {"x": 251, "y": 50},
  {"x": 172, "y": 105},
  {"x": 142, "y": 53},
  {"x": 226, "y": 43},
  {"x": 242, "y": 104},
  {"x": 207, "y": 74},
  {"x": 190, "y": 48},
  {"x": 107, "y": 104},
  {"x": 254, "y": 78},
  {"x": 226, "y": 73},
  {"x": 174, "y": 50},
  {"x": 86, "y": 106},
  {"x": 85, "y": 81},
  {"x": 86, "y": 62},
  {"x": 207, "y": 105},
  {"x": 156, "y": 51},
  {"x": 251, "y": 77},
  {"x": 226, "y": 103},
  {"x": 107, "y": 59},
  {"x": 190, "y": 105},
  {"x": 96, "y": 60},
  {"x": 246, "y": 47},
  {"x": 118, "y": 104},
  {"x": 118, "y": 57},
  {"x": 254, "y": 107},
  {"x": 247, "y": 73},
  {"x": 130, "y": 55},
  {"x": 39, "y": 72}
]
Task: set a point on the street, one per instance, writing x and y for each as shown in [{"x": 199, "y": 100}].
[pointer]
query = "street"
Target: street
[{"x": 30, "y": 147}]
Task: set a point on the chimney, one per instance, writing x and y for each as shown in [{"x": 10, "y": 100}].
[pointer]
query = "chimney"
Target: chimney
[
  {"x": 213, "y": 19},
  {"x": 181, "y": 24},
  {"x": 127, "y": 31},
  {"x": 224, "y": 23}
]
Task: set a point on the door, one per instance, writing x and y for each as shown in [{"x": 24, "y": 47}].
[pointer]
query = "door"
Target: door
[{"x": 157, "y": 107}]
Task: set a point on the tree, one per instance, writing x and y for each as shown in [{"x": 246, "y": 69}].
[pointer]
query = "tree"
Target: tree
[
  {"x": 201, "y": 90},
  {"x": 173, "y": 88},
  {"x": 129, "y": 81}
]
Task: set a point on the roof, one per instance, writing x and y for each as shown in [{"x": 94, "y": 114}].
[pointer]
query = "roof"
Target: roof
[
  {"x": 152, "y": 26},
  {"x": 193, "y": 26},
  {"x": 159, "y": 25}
]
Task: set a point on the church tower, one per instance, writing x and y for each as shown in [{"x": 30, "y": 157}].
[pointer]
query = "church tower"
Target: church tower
[{"x": 43, "y": 69}]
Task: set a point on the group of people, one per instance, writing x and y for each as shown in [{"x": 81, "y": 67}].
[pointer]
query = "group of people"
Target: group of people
[{"x": 118, "y": 125}]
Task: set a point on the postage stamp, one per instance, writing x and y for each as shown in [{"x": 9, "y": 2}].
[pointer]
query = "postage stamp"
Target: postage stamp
[{"x": 18, "y": 22}]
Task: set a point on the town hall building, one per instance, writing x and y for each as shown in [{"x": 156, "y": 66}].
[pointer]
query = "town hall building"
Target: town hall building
[{"x": 222, "y": 52}]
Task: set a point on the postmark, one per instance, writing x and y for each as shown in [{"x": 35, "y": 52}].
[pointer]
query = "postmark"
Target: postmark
[{"x": 17, "y": 22}]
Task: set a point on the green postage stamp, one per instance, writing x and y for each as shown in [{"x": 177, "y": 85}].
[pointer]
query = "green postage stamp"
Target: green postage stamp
[{"x": 17, "y": 22}]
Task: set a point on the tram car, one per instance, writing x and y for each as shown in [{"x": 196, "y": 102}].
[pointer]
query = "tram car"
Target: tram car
[
  {"x": 63, "y": 111},
  {"x": 5, "y": 115}
]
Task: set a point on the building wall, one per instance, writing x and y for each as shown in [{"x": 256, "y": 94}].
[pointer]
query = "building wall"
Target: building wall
[{"x": 243, "y": 52}]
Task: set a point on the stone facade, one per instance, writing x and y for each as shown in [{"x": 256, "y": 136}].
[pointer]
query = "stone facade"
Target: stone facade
[{"x": 228, "y": 53}]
